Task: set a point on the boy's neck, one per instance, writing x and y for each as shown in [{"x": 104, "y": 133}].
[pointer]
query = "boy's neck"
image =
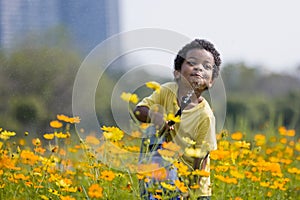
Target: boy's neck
[{"x": 183, "y": 91}]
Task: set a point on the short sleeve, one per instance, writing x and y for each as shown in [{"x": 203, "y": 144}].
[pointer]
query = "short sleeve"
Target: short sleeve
[
  {"x": 206, "y": 136},
  {"x": 151, "y": 100}
]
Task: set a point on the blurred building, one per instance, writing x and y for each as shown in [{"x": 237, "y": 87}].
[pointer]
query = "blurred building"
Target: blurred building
[{"x": 87, "y": 22}]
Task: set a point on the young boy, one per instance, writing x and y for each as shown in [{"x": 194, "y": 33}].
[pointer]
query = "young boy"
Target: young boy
[{"x": 196, "y": 67}]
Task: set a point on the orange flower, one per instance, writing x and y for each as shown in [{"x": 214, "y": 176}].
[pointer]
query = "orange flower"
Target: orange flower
[
  {"x": 201, "y": 173},
  {"x": 67, "y": 198},
  {"x": 36, "y": 142},
  {"x": 67, "y": 119},
  {"x": 133, "y": 148},
  {"x": 95, "y": 191},
  {"x": 260, "y": 139},
  {"x": 291, "y": 133},
  {"x": 39, "y": 150},
  {"x": 269, "y": 194},
  {"x": 282, "y": 130},
  {"x": 29, "y": 157},
  {"x": 165, "y": 152},
  {"x": 90, "y": 139},
  {"x": 237, "y": 136},
  {"x": 107, "y": 175},
  {"x": 283, "y": 140},
  {"x": 160, "y": 174},
  {"x": 195, "y": 186},
  {"x": 56, "y": 124},
  {"x": 171, "y": 146},
  {"x": 156, "y": 196},
  {"x": 21, "y": 177}
]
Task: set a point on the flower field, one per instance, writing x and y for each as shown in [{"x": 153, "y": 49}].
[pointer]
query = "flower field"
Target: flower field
[
  {"x": 58, "y": 165},
  {"x": 67, "y": 164}
]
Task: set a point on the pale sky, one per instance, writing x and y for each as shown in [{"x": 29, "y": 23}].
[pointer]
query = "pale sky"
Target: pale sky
[{"x": 258, "y": 32}]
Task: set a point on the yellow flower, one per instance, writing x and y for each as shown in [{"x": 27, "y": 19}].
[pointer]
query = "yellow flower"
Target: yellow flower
[
  {"x": 168, "y": 186},
  {"x": 56, "y": 124},
  {"x": 180, "y": 185},
  {"x": 195, "y": 152},
  {"x": 44, "y": 197},
  {"x": 112, "y": 133},
  {"x": 294, "y": 170},
  {"x": 107, "y": 175},
  {"x": 95, "y": 191},
  {"x": 182, "y": 169},
  {"x": 8, "y": 133},
  {"x": 55, "y": 192},
  {"x": 189, "y": 141},
  {"x": 128, "y": 97},
  {"x": 153, "y": 85},
  {"x": 60, "y": 135},
  {"x": 171, "y": 117},
  {"x": 242, "y": 144},
  {"x": 5, "y": 135},
  {"x": 236, "y": 174},
  {"x": 63, "y": 182},
  {"x": 49, "y": 136}
]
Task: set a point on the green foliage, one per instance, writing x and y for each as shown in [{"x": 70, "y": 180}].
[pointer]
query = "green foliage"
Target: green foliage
[
  {"x": 27, "y": 109},
  {"x": 259, "y": 98},
  {"x": 36, "y": 81}
]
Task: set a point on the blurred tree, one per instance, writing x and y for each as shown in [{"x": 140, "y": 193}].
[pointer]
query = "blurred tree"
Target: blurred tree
[
  {"x": 36, "y": 83},
  {"x": 261, "y": 98}
]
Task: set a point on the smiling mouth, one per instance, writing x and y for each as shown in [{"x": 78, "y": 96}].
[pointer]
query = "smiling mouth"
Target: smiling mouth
[{"x": 197, "y": 75}]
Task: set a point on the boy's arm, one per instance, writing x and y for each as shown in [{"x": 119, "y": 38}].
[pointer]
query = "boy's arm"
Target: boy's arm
[
  {"x": 197, "y": 162},
  {"x": 143, "y": 114}
]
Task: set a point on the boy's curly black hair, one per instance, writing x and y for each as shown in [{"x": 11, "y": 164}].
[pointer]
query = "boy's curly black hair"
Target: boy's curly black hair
[{"x": 199, "y": 44}]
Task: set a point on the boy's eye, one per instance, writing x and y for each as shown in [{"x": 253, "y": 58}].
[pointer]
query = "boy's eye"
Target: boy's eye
[
  {"x": 191, "y": 63},
  {"x": 208, "y": 67}
]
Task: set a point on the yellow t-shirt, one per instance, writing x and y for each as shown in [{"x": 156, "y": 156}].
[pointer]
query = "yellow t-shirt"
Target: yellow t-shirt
[{"x": 197, "y": 124}]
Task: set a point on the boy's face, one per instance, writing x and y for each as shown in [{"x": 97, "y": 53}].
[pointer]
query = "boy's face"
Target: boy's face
[{"x": 197, "y": 69}]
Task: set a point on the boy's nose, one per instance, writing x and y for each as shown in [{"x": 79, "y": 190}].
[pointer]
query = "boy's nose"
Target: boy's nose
[{"x": 198, "y": 67}]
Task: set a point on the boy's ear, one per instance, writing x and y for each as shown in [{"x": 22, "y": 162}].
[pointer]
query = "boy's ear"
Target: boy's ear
[
  {"x": 176, "y": 74},
  {"x": 210, "y": 84}
]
